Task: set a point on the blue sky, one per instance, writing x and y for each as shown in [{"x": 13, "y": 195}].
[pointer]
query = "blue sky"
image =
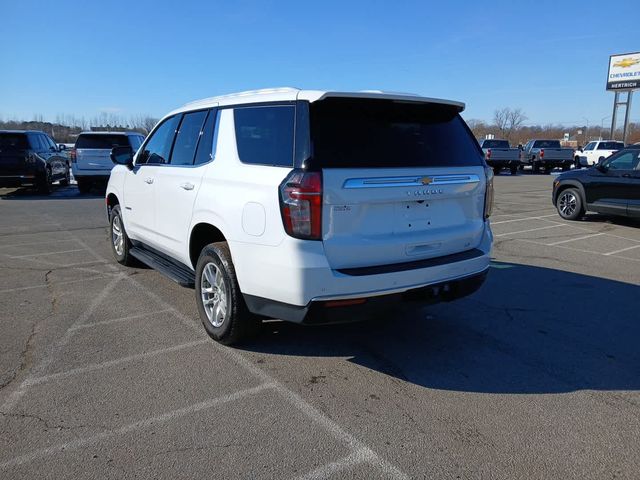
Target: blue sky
[{"x": 84, "y": 58}]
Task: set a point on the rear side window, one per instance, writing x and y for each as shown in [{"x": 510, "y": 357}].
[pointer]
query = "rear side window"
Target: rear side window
[
  {"x": 495, "y": 144},
  {"x": 187, "y": 137},
  {"x": 610, "y": 146},
  {"x": 101, "y": 141},
  {"x": 366, "y": 133},
  {"x": 158, "y": 147},
  {"x": 204, "y": 153},
  {"x": 13, "y": 141},
  {"x": 264, "y": 135}
]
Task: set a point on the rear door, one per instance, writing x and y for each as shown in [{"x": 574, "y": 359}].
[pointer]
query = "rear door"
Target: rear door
[
  {"x": 177, "y": 183},
  {"x": 93, "y": 150},
  {"x": 401, "y": 181},
  {"x": 611, "y": 190},
  {"x": 14, "y": 149},
  {"x": 633, "y": 208}
]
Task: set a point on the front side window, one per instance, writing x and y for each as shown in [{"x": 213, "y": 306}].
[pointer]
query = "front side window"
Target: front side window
[
  {"x": 624, "y": 161},
  {"x": 158, "y": 147},
  {"x": 589, "y": 146},
  {"x": 187, "y": 137},
  {"x": 264, "y": 135}
]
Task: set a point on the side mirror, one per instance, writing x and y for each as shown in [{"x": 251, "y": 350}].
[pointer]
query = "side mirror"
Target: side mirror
[
  {"x": 602, "y": 167},
  {"x": 122, "y": 156},
  {"x": 61, "y": 147}
]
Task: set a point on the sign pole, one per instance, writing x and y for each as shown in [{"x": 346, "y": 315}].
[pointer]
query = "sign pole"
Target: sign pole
[
  {"x": 613, "y": 116},
  {"x": 625, "y": 130}
]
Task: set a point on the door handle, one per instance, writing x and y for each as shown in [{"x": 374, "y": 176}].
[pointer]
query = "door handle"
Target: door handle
[
  {"x": 626, "y": 175},
  {"x": 187, "y": 186},
  {"x": 148, "y": 180}
]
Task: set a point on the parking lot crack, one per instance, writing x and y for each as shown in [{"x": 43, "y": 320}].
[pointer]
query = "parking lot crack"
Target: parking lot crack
[
  {"x": 41, "y": 420},
  {"x": 25, "y": 356}
]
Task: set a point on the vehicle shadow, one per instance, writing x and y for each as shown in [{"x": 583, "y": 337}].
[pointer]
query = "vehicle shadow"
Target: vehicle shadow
[
  {"x": 621, "y": 221},
  {"x": 70, "y": 192},
  {"x": 528, "y": 330}
]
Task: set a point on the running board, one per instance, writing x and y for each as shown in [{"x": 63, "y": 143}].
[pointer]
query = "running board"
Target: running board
[{"x": 178, "y": 273}]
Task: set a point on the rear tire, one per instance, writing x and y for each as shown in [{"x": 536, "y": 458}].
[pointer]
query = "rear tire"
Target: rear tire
[
  {"x": 84, "y": 186},
  {"x": 45, "y": 187},
  {"x": 514, "y": 170},
  {"x": 67, "y": 178},
  {"x": 222, "y": 309},
  {"x": 120, "y": 243},
  {"x": 569, "y": 204},
  {"x": 535, "y": 168}
]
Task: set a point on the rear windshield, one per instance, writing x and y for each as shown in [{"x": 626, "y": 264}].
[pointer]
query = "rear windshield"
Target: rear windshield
[
  {"x": 610, "y": 145},
  {"x": 13, "y": 141},
  {"x": 365, "y": 133},
  {"x": 495, "y": 144},
  {"x": 102, "y": 141},
  {"x": 546, "y": 144}
]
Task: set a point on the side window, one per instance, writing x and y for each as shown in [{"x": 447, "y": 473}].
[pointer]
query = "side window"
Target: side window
[
  {"x": 204, "y": 153},
  {"x": 264, "y": 135},
  {"x": 34, "y": 142},
  {"x": 44, "y": 145},
  {"x": 187, "y": 137},
  {"x": 50, "y": 143},
  {"x": 158, "y": 147},
  {"x": 626, "y": 161},
  {"x": 590, "y": 146}
]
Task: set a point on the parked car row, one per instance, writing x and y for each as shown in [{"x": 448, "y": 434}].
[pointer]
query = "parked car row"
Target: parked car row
[{"x": 545, "y": 155}]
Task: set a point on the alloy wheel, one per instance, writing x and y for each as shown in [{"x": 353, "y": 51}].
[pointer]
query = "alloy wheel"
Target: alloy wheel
[
  {"x": 214, "y": 293},
  {"x": 568, "y": 204},
  {"x": 117, "y": 236}
]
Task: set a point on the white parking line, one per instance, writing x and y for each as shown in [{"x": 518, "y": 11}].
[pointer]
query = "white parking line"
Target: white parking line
[
  {"x": 147, "y": 422},
  {"x": 621, "y": 250},
  {"x": 66, "y": 282},
  {"x": 326, "y": 471},
  {"x": 46, "y": 253},
  {"x": 584, "y": 237},
  {"x": 37, "y": 243},
  {"x": 110, "y": 363},
  {"x": 117, "y": 320},
  {"x": 524, "y": 219},
  {"x": 530, "y": 230}
]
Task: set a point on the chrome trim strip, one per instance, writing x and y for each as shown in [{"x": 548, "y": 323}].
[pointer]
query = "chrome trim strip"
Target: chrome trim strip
[{"x": 386, "y": 182}]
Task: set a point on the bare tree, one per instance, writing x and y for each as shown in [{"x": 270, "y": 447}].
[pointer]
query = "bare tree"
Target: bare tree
[{"x": 508, "y": 121}]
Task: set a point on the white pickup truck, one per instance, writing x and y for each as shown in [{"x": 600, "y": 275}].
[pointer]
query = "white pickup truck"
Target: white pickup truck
[
  {"x": 498, "y": 154},
  {"x": 596, "y": 151}
]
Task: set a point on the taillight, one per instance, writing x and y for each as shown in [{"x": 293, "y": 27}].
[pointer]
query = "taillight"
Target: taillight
[
  {"x": 542, "y": 153},
  {"x": 301, "y": 204},
  {"x": 488, "y": 194},
  {"x": 72, "y": 155},
  {"x": 488, "y": 153}
]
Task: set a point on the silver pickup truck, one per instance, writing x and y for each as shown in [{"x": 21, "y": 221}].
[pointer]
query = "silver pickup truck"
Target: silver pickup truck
[
  {"x": 545, "y": 155},
  {"x": 498, "y": 154}
]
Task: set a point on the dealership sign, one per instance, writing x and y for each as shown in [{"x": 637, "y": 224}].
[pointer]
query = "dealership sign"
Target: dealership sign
[{"x": 624, "y": 72}]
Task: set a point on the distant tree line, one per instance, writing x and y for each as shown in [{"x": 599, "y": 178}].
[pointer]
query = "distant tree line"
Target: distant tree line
[
  {"x": 65, "y": 128},
  {"x": 508, "y": 124}
]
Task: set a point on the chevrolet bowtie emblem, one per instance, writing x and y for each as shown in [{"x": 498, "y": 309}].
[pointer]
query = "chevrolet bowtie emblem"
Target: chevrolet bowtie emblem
[{"x": 426, "y": 180}]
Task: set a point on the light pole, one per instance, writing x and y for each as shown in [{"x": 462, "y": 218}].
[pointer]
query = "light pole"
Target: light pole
[{"x": 602, "y": 124}]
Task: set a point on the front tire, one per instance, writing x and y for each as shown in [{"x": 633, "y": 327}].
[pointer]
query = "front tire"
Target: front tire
[
  {"x": 514, "y": 170},
  {"x": 221, "y": 305},
  {"x": 569, "y": 204},
  {"x": 67, "y": 178},
  {"x": 120, "y": 243}
]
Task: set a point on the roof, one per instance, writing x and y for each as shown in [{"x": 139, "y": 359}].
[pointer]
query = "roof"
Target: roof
[
  {"x": 110, "y": 133},
  {"x": 21, "y": 131},
  {"x": 288, "y": 94}
]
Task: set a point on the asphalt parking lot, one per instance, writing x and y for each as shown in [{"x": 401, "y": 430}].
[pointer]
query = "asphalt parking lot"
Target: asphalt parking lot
[{"x": 105, "y": 372}]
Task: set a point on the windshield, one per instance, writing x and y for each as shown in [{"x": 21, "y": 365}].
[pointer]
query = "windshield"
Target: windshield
[
  {"x": 546, "y": 144},
  {"x": 101, "y": 141},
  {"x": 366, "y": 133},
  {"x": 495, "y": 144},
  {"x": 13, "y": 141}
]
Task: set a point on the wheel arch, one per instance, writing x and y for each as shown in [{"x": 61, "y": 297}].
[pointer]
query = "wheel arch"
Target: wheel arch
[
  {"x": 111, "y": 201},
  {"x": 202, "y": 234},
  {"x": 571, "y": 184}
]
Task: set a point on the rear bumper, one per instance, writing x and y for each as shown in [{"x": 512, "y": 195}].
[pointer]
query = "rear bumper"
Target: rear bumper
[
  {"x": 295, "y": 275},
  {"x": 98, "y": 174},
  {"x": 552, "y": 162},
  {"x": 503, "y": 163},
  {"x": 10, "y": 181},
  {"x": 323, "y": 312}
]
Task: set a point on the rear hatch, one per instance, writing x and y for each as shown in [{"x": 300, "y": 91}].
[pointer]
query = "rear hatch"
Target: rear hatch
[
  {"x": 402, "y": 181},
  {"x": 13, "y": 153},
  {"x": 93, "y": 150}
]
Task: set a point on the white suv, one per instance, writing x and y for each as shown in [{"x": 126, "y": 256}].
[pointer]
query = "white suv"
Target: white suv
[{"x": 307, "y": 206}]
